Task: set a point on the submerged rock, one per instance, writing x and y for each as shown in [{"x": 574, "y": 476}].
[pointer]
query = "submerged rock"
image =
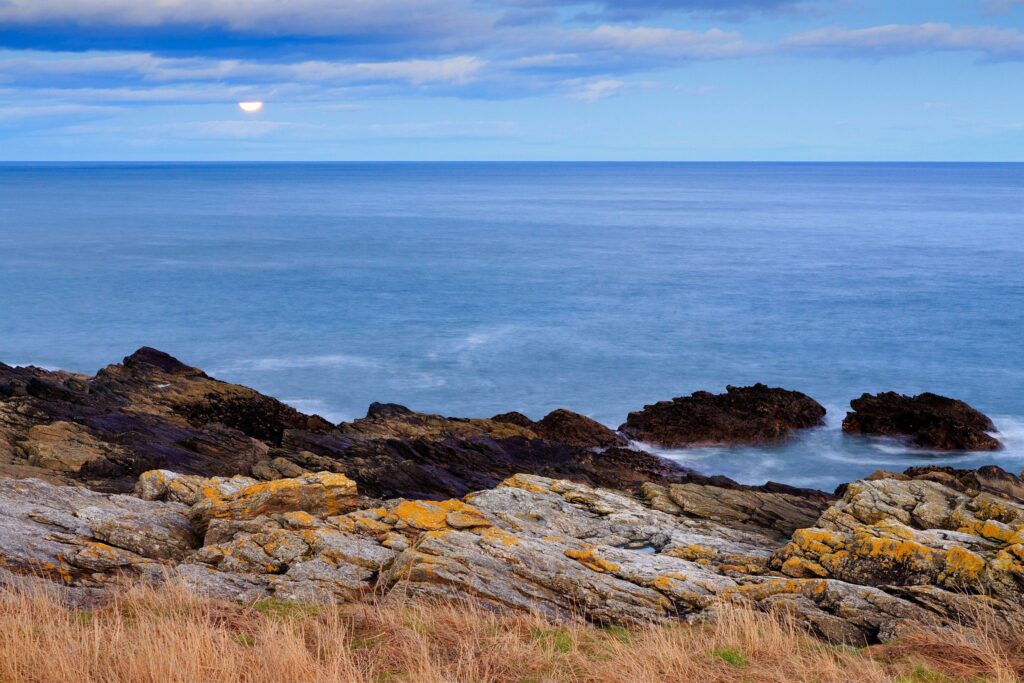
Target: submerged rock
[
  {"x": 927, "y": 420},
  {"x": 741, "y": 416}
]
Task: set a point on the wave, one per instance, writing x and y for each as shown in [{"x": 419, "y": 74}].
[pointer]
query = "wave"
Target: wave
[
  {"x": 49, "y": 368},
  {"x": 330, "y": 361},
  {"x": 314, "y": 406}
]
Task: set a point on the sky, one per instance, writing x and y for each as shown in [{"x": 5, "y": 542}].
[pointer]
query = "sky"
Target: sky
[{"x": 729, "y": 80}]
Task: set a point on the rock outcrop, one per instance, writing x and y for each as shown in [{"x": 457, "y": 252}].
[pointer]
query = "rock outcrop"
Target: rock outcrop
[
  {"x": 151, "y": 411},
  {"x": 565, "y": 426},
  {"x": 250, "y": 498},
  {"x": 926, "y": 421},
  {"x": 893, "y": 553},
  {"x": 154, "y": 412},
  {"x": 741, "y": 416}
]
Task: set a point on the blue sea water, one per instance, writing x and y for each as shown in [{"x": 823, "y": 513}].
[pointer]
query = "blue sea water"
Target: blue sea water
[{"x": 469, "y": 289}]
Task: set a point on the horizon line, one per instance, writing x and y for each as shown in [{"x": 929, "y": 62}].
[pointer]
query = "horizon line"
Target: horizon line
[{"x": 6, "y": 162}]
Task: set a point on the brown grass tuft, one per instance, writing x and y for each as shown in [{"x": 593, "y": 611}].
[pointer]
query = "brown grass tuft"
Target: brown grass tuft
[{"x": 166, "y": 635}]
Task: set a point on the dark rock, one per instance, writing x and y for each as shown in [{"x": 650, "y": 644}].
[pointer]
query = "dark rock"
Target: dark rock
[
  {"x": 155, "y": 412},
  {"x": 150, "y": 412},
  {"x": 988, "y": 479},
  {"x": 380, "y": 410},
  {"x": 514, "y": 418},
  {"x": 571, "y": 428},
  {"x": 927, "y": 420},
  {"x": 160, "y": 360},
  {"x": 741, "y": 416}
]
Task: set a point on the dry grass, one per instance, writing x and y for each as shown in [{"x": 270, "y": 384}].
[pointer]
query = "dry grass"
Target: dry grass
[{"x": 166, "y": 636}]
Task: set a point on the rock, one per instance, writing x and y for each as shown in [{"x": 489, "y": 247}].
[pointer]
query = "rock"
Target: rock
[
  {"x": 154, "y": 412},
  {"x": 514, "y": 418},
  {"x": 78, "y": 536},
  {"x": 389, "y": 463},
  {"x": 741, "y": 416},
  {"x": 918, "y": 538},
  {"x": 188, "y": 489},
  {"x": 741, "y": 507},
  {"x": 321, "y": 494},
  {"x": 565, "y": 426},
  {"x": 926, "y": 420},
  {"x": 150, "y": 412},
  {"x": 65, "y": 447},
  {"x": 891, "y": 554},
  {"x": 392, "y": 421}
]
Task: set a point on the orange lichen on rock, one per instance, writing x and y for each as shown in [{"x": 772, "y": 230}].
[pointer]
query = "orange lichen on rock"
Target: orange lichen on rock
[
  {"x": 321, "y": 494},
  {"x": 424, "y": 515},
  {"x": 591, "y": 561}
]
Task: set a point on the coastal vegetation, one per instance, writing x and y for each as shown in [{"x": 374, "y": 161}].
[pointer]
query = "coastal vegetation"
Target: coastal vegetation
[{"x": 169, "y": 635}]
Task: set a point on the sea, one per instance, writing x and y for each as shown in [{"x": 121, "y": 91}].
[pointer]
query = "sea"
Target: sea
[{"x": 469, "y": 289}]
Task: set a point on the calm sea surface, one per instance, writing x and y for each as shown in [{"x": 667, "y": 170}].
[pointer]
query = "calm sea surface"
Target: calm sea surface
[{"x": 469, "y": 289}]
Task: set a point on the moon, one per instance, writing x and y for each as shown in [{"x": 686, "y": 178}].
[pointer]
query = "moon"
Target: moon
[{"x": 250, "y": 107}]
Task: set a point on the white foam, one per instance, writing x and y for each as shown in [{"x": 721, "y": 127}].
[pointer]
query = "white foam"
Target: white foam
[
  {"x": 1011, "y": 430},
  {"x": 419, "y": 380},
  {"x": 483, "y": 337},
  {"x": 314, "y": 406},
  {"x": 41, "y": 366},
  {"x": 330, "y": 361}
]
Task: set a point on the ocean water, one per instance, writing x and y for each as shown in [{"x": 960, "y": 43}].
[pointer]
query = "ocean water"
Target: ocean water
[{"x": 469, "y": 289}]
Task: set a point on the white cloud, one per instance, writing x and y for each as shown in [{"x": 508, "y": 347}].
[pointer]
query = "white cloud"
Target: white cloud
[
  {"x": 1002, "y": 6},
  {"x": 592, "y": 91},
  {"x": 40, "y": 67},
  {"x": 667, "y": 42},
  {"x": 446, "y": 129},
  {"x": 230, "y": 130},
  {"x": 45, "y": 111},
  {"x": 273, "y": 17},
  {"x": 996, "y": 43}
]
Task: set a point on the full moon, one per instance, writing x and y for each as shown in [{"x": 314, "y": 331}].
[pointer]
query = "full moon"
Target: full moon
[{"x": 250, "y": 107}]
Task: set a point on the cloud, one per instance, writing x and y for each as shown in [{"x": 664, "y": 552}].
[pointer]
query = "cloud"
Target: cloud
[
  {"x": 268, "y": 17},
  {"x": 1002, "y": 6},
  {"x": 667, "y": 43},
  {"x": 595, "y": 90},
  {"x": 71, "y": 69},
  {"x": 446, "y": 130},
  {"x": 35, "y": 112},
  {"x": 894, "y": 39},
  {"x": 729, "y": 10},
  {"x": 230, "y": 129}
]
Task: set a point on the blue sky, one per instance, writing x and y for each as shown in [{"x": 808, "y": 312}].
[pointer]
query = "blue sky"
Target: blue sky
[{"x": 512, "y": 79}]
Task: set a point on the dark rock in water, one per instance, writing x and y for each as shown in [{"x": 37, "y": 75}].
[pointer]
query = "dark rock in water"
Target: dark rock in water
[
  {"x": 514, "y": 418},
  {"x": 927, "y": 420},
  {"x": 164, "y": 362},
  {"x": 741, "y": 416},
  {"x": 565, "y": 426},
  {"x": 383, "y": 410},
  {"x": 155, "y": 412}
]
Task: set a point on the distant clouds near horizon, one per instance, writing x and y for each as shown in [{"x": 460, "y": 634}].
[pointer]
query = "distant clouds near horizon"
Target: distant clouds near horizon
[{"x": 512, "y": 79}]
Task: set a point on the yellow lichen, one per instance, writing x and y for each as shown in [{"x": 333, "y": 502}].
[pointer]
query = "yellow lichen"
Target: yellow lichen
[{"x": 591, "y": 561}]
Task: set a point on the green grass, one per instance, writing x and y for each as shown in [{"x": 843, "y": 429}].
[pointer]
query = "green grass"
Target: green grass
[
  {"x": 730, "y": 655},
  {"x": 557, "y": 639},
  {"x": 619, "y": 633},
  {"x": 922, "y": 675}
]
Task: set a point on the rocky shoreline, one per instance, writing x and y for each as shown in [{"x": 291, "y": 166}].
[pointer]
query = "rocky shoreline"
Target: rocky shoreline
[{"x": 153, "y": 470}]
